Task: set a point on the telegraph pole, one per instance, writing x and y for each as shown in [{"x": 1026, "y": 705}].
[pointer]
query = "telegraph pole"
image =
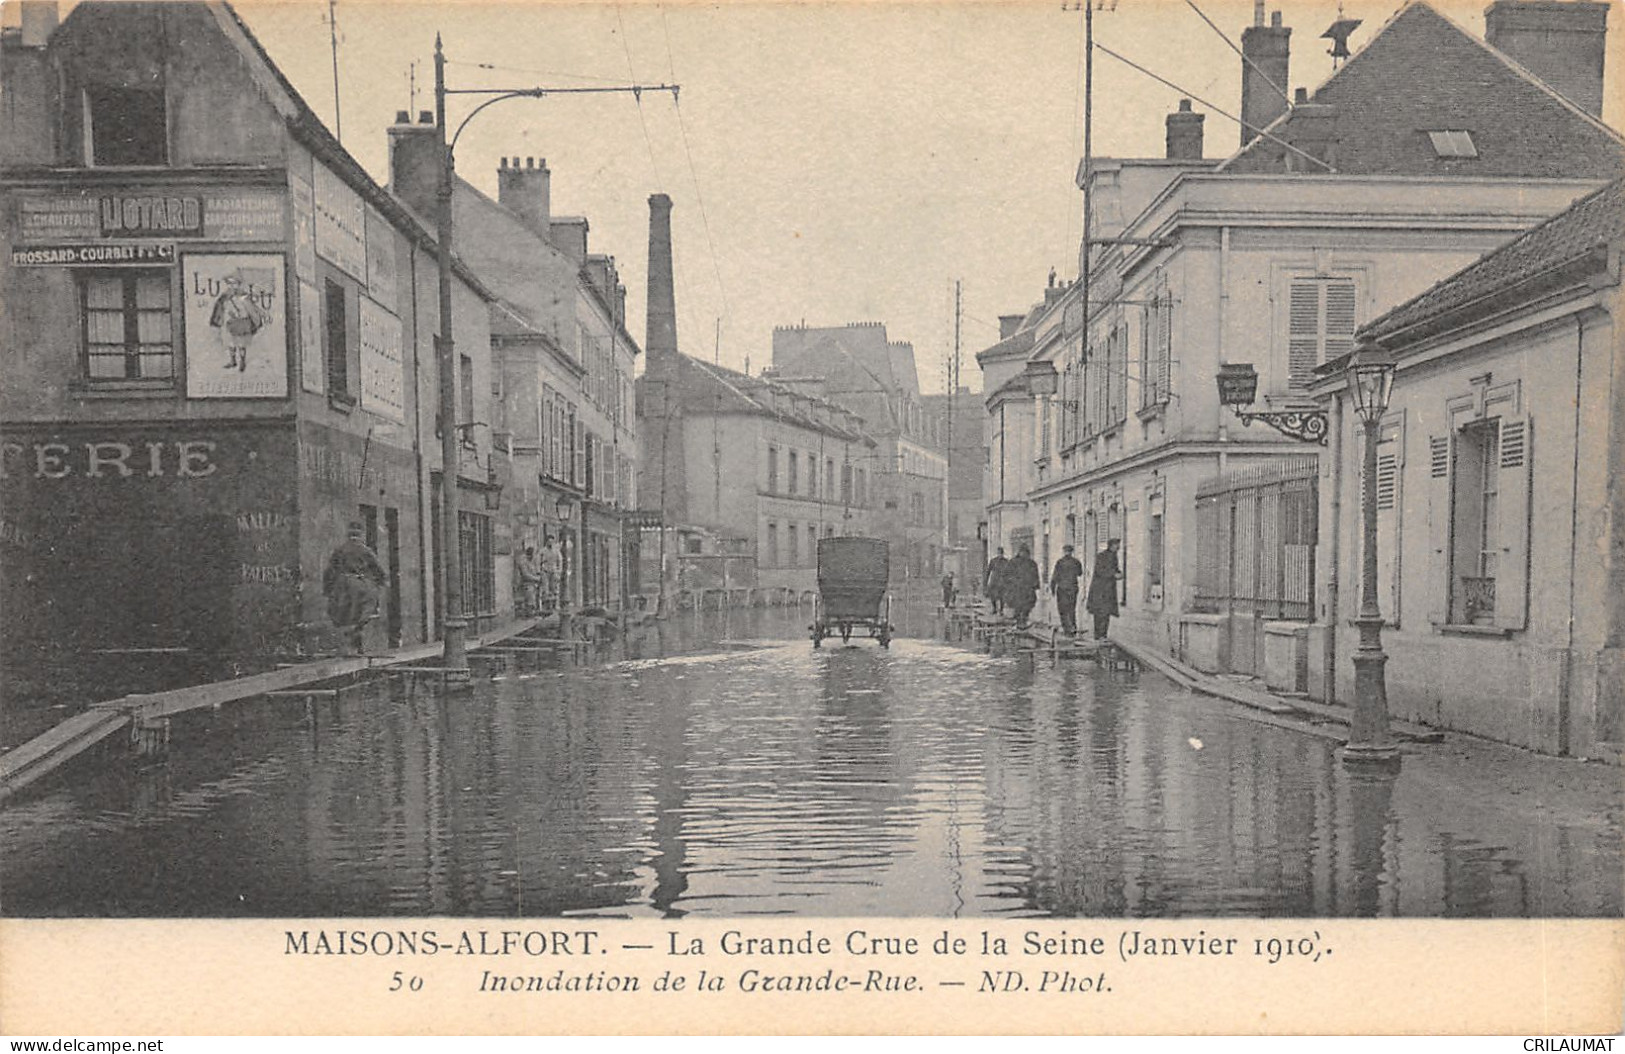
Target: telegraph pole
[
  {"x": 451, "y": 587},
  {"x": 453, "y": 624}
]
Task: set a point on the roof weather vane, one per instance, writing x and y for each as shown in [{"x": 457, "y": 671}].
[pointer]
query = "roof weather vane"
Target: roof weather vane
[{"x": 1339, "y": 34}]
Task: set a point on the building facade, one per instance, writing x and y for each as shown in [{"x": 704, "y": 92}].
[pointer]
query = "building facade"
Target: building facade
[
  {"x": 856, "y": 366},
  {"x": 1499, "y": 548},
  {"x": 564, "y": 366},
  {"x": 219, "y": 346},
  {"x": 1273, "y": 259}
]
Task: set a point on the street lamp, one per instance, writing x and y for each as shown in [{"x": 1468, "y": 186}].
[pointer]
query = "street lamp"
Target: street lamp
[{"x": 1370, "y": 373}]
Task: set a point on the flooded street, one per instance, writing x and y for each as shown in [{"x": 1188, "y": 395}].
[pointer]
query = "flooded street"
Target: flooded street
[{"x": 719, "y": 766}]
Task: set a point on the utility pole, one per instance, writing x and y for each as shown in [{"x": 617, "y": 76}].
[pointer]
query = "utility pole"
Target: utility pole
[
  {"x": 1088, "y": 156},
  {"x": 455, "y": 655},
  {"x": 333, "y": 37},
  {"x": 455, "y": 658}
]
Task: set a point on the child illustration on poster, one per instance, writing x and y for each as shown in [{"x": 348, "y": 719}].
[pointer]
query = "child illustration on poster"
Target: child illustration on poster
[
  {"x": 238, "y": 315},
  {"x": 236, "y": 326}
]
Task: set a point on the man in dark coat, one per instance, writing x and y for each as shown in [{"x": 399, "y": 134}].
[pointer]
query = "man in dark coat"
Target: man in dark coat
[
  {"x": 998, "y": 570},
  {"x": 351, "y": 584},
  {"x": 1063, "y": 582},
  {"x": 948, "y": 589},
  {"x": 1021, "y": 585},
  {"x": 1102, "y": 600}
]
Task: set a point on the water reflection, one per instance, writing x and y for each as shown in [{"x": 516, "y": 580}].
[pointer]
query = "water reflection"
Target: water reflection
[{"x": 717, "y": 765}]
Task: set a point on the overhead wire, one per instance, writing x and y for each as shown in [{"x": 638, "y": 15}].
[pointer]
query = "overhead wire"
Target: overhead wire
[
  {"x": 1279, "y": 89},
  {"x": 699, "y": 197}
]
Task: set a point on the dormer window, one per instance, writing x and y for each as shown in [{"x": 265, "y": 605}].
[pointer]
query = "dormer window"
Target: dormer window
[
  {"x": 1453, "y": 144},
  {"x": 125, "y": 126}
]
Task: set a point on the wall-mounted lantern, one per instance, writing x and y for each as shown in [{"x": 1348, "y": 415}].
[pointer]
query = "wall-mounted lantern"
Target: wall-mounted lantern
[{"x": 1238, "y": 387}]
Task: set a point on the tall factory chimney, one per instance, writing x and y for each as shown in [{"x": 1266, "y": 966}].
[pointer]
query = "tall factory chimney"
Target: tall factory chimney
[{"x": 661, "y": 337}]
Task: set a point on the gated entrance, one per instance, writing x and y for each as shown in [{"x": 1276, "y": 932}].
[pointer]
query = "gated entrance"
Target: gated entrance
[{"x": 1256, "y": 534}]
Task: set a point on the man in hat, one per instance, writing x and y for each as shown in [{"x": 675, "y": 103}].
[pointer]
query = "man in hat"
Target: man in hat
[
  {"x": 351, "y": 584},
  {"x": 530, "y": 581},
  {"x": 1021, "y": 585},
  {"x": 1063, "y": 582},
  {"x": 997, "y": 569},
  {"x": 552, "y": 571},
  {"x": 1102, "y": 599}
]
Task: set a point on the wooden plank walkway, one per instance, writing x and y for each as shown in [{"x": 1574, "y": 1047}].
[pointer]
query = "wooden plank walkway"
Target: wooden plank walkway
[{"x": 55, "y": 747}]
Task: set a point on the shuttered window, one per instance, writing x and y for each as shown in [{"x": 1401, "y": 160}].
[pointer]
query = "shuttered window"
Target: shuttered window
[{"x": 1320, "y": 323}]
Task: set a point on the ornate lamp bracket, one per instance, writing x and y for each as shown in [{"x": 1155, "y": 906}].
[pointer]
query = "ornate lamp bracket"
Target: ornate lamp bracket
[{"x": 1307, "y": 426}]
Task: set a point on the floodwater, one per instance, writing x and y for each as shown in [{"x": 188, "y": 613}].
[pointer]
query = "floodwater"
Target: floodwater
[{"x": 719, "y": 766}]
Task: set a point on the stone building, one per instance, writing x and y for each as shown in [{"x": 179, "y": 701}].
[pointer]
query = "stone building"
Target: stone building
[
  {"x": 767, "y": 469},
  {"x": 1499, "y": 514},
  {"x": 219, "y": 350},
  {"x": 1353, "y": 199}
]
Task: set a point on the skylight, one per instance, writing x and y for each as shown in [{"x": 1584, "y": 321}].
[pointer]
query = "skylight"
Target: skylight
[{"x": 1453, "y": 144}]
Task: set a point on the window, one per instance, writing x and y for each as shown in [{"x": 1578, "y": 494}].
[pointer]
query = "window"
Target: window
[
  {"x": 1320, "y": 326},
  {"x": 578, "y": 470},
  {"x": 795, "y": 544},
  {"x": 465, "y": 397},
  {"x": 812, "y": 476},
  {"x": 1154, "y": 554},
  {"x": 1479, "y": 514},
  {"x": 1389, "y": 510},
  {"x": 125, "y": 126},
  {"x": 829, "y": 479},
  {"x": 772, "y": 536},
  {"x": 337, "y": 332},
  {"x": 1453, "y": 144},
  {"x": 478, "y": 570},
  {"x": 588, "y": 475},
  {"x": 846, "y": 484},
  {"x": 793, "y": 479},
  {"x": 863, "y": 488},
  {"x": 1157, "y": 335},
  {"x": 772, "y": 470},
  {"x": 127, "y": 326}
]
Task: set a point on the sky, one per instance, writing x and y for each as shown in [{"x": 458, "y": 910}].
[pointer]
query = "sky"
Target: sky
[{"x": 828, "y": 162}]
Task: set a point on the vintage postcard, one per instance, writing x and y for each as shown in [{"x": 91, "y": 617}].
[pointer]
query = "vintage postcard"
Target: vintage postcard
[{"x": 849, "y": 517}]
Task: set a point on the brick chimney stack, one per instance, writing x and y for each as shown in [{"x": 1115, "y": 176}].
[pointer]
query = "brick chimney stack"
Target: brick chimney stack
[
  {"x": 414, "y": 161},
  {"x": 527, "y": 192},
  {"x": 1559, "y": 41},
  {"x": 661, "y": 338},
  {"x": 1185, "y": 133},
  {"x": 1267, "y": 50}
]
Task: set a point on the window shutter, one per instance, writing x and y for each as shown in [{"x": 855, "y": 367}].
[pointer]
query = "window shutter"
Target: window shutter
[
  {"x": 1388, "y": 534},
  {"x": 1512, "y": 569},
  {"x": 1303, "y": 336},
  {"x": 1339, "y": 331},
  {"x": 1440, "y": 462}
]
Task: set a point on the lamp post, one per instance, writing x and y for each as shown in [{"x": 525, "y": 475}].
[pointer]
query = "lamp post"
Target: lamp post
[
  {"x": 455, "y": 655},
  {"x": 1370, "y": 746}
]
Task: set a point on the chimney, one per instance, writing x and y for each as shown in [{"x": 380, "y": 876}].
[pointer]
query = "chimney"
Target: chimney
[
  {"x": 39, "y": 20},
  {"x": 1559, "y": 41},
  {"x": 661, "y": 337},
  {"x": 1263, "y": 75},
  {"x": 1008, "y": 324},
  {"x": 1185, "y": 133},
  {"x": 569, "y": 236},
  {"x": 29, "y": 116},
  {"x": 1313, "y": 129},
  {"x": 414, "y": 162},
  {"x": 525, "y": 192}
]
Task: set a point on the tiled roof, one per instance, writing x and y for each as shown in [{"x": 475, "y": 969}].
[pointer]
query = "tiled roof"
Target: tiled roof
[
  {"x": 709, "y": 388},
  {"x": 1017, "y": 343},
  {"x": 1590, "y": 223},
  {"x": 1421, "y": 72}
]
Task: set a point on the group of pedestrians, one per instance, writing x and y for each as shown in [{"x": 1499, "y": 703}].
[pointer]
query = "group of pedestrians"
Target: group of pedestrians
[
  {"x": 354, "y": 579},
  {"x": 1013, "y": 583}
]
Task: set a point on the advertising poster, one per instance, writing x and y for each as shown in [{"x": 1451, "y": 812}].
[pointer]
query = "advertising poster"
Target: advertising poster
[
  {"x": 236, "y": 325},
  {"x": 381, "y": 368},
  {"x": 312, "y": 368}
]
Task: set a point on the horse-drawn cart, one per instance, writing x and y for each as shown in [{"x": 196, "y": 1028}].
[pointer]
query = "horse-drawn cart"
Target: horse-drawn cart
[{"x": 852, "y": 576}]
